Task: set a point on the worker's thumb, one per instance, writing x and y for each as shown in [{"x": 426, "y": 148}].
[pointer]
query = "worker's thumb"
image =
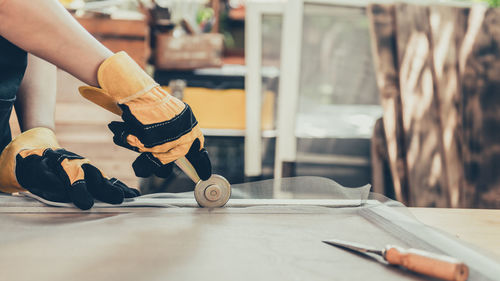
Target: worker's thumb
[{"x": 200, "y": 160}]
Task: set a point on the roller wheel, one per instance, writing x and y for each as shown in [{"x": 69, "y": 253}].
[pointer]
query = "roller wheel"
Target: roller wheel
[{"x": 212, "y": 193}]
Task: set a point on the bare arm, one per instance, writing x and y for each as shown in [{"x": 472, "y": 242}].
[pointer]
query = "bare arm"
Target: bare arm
[
  {"x": 36, "y": 98},
  {"x": 45, "y": 29}
]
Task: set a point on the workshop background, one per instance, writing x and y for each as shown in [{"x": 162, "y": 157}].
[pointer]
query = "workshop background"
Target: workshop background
[{"x": 403, "y": 96}]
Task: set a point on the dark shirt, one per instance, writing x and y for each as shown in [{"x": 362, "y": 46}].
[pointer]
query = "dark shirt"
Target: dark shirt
[{"x": 13, "y": 62}]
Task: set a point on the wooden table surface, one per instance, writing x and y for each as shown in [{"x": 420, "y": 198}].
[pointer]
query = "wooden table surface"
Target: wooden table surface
[
  {"x": 479, "y": 227},
  {"x": 171, "y": 241}
]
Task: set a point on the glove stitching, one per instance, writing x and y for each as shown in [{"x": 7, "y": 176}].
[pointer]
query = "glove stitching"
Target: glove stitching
[
  {"x": 153, "y": 160},
  {"x": 168, "y": 121},
  {"x": 78, "y": 182},
  {"x": 138, "y": 94},
  {"x": 122, "y": 135},
  {"x": 172, "y": 138}
]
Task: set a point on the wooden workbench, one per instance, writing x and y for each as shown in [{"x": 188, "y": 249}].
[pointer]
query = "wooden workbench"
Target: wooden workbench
[
  {"x": 479, "y": 227},
  {"x": 257, "y": 243}
]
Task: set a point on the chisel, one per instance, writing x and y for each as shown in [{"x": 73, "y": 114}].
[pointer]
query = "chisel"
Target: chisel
[{"x": 430, "y": 264}]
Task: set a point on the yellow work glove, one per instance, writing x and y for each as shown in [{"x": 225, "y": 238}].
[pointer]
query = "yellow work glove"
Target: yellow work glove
[
  {"x": 34, "y": 161},
  {"x": 156, "y": 124}
]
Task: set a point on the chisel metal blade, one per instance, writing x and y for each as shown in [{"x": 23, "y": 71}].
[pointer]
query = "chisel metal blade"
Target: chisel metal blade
[{"x": 353, "y": 246}]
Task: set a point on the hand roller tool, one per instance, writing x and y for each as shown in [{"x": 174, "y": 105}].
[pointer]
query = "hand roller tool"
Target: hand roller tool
[
  {"x": 212, "y": 193},
  {"x": 430, "y": 264}
]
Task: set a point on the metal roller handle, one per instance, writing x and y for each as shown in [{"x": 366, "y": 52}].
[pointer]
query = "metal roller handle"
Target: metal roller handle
[
  {"x": 188, "y": 169},
  {"x": 212, "y": 193}
]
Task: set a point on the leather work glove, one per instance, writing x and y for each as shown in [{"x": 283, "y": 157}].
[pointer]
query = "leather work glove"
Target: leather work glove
[
  {"x": 159, "y": 126},
  {"x": 34, "y": 161}
]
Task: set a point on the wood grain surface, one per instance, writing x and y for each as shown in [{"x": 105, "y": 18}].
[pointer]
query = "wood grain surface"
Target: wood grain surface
[
  {"x": 479, "y": 65},
  {"x": 447, "y": 25},
  {"x": 427, "y": 263},
  {"x": 421, "y": 120},
  {"x": 383, "y": 41},
  {"x": 446, "y": 62},
  {"x": 260, "y": 243},
  {"x": 479, "y": 227},
  {"x": 231, "y": 243}
]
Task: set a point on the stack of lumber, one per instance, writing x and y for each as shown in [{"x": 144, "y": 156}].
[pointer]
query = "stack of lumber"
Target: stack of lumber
[{"x": 438, "y": 72}]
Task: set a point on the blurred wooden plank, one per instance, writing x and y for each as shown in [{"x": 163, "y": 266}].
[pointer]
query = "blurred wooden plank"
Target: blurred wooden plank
[
  {"x": 447, "y": 25},
  {"x": 479, "y": 63},
  {"x": 83, "y": 113},
  {"x": 383, "y": 40},
  {"x": 189, "y": 52},
  {"x": 115, "y": 27},
  {"x": 421, "y": 120},
  {"x": 131, "y": 36},
  {"x": 136, "y": 49}
]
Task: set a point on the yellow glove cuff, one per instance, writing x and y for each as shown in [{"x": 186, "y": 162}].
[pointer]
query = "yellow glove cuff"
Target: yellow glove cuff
[
  {"x": 31, "y": 139},
  {"x": 123, "y": 79}
]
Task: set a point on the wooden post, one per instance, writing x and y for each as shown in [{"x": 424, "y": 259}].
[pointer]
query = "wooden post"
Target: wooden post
[
  {"x": 421, "y": 120},
  {"x": 383, "y": 39},
  {"x": 446, "y": 25},
  {"x": 479, "y": 64}
]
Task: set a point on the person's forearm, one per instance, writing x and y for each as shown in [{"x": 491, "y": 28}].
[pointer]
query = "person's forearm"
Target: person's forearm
[
  {"x": 36, "y": 98},
  {"x": 46, "y": 29}
]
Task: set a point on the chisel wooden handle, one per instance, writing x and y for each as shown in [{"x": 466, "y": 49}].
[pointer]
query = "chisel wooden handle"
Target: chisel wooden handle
[{"x": 438, "y": 266}]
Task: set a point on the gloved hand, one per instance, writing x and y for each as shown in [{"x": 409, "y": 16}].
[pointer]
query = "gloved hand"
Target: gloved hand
[
  {"x": 34, "y": 161},
  {"x": 156, "y": 124}
]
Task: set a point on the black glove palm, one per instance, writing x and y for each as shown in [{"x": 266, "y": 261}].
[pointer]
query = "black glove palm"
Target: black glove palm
[{"x": 45, "y": 176}]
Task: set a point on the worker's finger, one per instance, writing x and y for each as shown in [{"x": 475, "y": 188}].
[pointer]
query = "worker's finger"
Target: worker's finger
[
  {"x": 146, "y": 165},
  {"x": 67, "y": 166},
  {"x": 80, "y": 196},
  {"x": 200, "y": 160},
  {"x": 100, "y": 188},
  {"x": 120, "y": 132},
  {"x": 127, "y": 191}
]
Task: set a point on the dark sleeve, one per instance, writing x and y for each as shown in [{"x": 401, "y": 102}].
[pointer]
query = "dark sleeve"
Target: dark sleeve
[{"x": 13, "y": 62}]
